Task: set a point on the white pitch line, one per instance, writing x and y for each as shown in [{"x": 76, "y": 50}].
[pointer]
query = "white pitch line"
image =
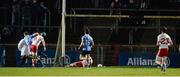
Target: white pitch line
[{"x": 89, "y": 76}]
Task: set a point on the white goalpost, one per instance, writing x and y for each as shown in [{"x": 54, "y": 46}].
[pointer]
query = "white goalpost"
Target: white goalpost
[
  {"x": 61, "y": 37},
  {"x": 63, "y": 25}
]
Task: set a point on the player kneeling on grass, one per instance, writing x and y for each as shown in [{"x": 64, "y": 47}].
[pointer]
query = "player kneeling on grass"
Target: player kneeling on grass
[
  {"x": 163, "y": 41},
  {"x": 81, "y": 63},
  {"x": 34, "y": 46}
]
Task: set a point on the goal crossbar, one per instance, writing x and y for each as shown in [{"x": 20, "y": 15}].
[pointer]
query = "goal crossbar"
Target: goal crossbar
[{"x": 120, "y": 16}]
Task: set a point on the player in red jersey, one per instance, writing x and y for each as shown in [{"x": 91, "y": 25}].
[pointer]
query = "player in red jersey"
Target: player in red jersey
[
  {"x": 35, "y": 44},
  {"x": 81, "y": 63},
  {"x": 163, "y": 41}
]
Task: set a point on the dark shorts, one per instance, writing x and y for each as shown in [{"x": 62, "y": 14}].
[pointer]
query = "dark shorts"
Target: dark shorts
[{"x": 85, "y": 52}]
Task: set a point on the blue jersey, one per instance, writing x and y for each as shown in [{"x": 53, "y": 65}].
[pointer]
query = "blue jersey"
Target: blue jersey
[
  {"x": 28, "y": 39},
  {"x": 87, "y": 42}
]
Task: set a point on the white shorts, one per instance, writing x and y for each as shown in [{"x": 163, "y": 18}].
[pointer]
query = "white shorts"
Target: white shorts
[{"x": 25, "y": 50}]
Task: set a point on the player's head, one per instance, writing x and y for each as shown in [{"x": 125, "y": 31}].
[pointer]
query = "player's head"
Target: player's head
[
  {"x": 164, "y": 29},
  {"x": 26, "y": 33},
  {"x": 87, "y": 31}
]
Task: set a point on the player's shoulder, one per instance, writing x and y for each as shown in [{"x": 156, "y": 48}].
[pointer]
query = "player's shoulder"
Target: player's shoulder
[
  {"x": 41, "y": 37},
  {"x": 159, "y": 35},
  {"x": 22, "y": 40},
  {"x": 84, "y": 36},
  {"x": 167, "y": 35}
]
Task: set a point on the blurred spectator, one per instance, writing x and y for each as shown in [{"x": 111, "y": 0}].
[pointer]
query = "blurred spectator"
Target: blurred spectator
[
  {"x": 144, "y": 4},
  {"x": 132, "y": 4},
  {"x": 115, "y": 6},
  {"x": 133, "y": 18},
  {"x": 5, "y": 32},
  {"x": 26, "y": 13},
  {"x": 15, "y": 13},
  {"x": 40, "y": 14},
  {"x": 43, "y": 15},
  {"x": 34, "y": 8}
]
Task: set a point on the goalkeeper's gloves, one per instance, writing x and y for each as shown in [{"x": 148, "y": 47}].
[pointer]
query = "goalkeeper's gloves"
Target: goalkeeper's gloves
[{"x": 44, "y": 48}]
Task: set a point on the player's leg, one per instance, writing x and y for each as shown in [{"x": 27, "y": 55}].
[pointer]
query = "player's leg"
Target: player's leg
[
  {"x": 80, "y": 56},
  {"x": 159, "y": 62},
  {"x": 27, "y": 54},
  {"x": 91, "y": 60},
  {"x": 88, "y": 60},
  {"x": 22, "y": 58},
  {"x": 33, "y": 59},
  {"x": 34, "y": 54},
  {"x": 164, "y": 59},
  {"x": 163, "y": 54},
  {"x": 76, "y": 64},
  {"x": 72, "y": 64},
  {"x": 158, "y": 58}
]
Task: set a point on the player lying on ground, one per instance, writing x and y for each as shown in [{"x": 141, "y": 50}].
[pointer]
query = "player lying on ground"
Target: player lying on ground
[{"x": 81, "y": 63}]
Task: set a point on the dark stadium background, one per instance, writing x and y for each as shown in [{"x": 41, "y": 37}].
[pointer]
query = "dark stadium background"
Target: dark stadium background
[{"x": 11, "y": 34}]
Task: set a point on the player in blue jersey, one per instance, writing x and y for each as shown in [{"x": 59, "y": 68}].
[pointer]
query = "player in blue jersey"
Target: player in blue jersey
[
  {"x": 24, "y": 46},
  {"x": 86, "y": 44}
]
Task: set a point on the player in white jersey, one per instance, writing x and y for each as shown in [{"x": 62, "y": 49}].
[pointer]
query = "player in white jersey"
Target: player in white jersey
[
  {"x": 25, "y": 51},
  {"x": 36, "y": 41},
  {"x": 163, "y": 41}
]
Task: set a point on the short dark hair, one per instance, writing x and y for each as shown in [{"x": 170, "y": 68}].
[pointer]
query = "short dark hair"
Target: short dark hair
[
  {"x": 87, "y": 31},
  {"x": 26, "y": 33},
  {"x": 164, "y": 29}
]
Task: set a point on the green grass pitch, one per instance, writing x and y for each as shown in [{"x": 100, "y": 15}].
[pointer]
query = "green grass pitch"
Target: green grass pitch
[{"x": 93, "y": 71}]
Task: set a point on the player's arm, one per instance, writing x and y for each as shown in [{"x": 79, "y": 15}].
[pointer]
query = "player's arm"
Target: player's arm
[
  {"x": 33, "y": 35},
  {"x": 44, "y": 43},
  {"x": 80, "y": 44},
  {"x": 170, "y": 41},
  {"x": 157, "y": 43},
  {"x": 179, "y": 47},
  {"x": 20, "y": 45},
  {"x": 92, "y": 42}
]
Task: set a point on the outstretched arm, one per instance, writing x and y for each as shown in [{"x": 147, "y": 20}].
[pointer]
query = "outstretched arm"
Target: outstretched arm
[
  {"x": 44, "y": 44},
  {"x": 80, "y": 44}
]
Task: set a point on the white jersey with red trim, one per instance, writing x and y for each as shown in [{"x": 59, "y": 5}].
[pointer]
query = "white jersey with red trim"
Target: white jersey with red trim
[
  {"x": 37, "y": 40},
  {"x": 164, "y": 40}
]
